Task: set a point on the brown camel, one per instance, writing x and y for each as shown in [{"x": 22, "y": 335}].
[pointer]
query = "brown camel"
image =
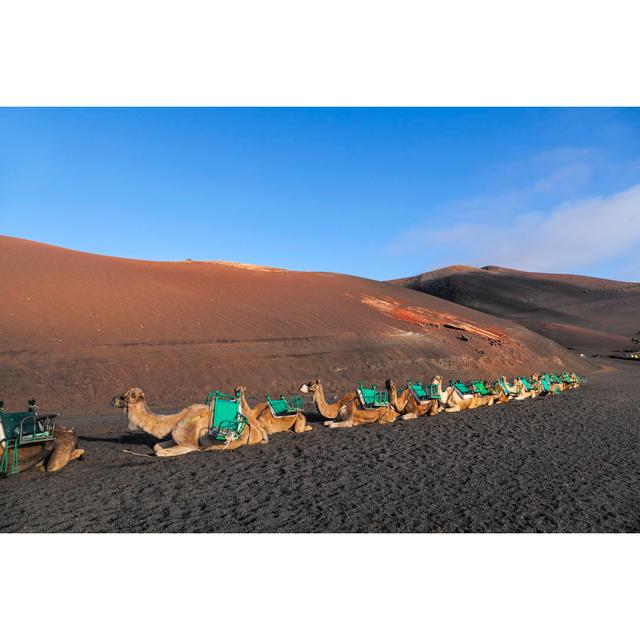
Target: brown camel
[
  {"x": 452, "y": 400},
  {"x": 537, "y": 384},
  {"x": 325, "y": 409},
  {"x": 188, "y": 428},
  {"x": 407, "y": 405},
  {"x": 522, "y": 393},
  {"x": 262, "y": 415},
  {"x": 499, "y": 394},
  {"x": 50, "y": 456},
  {"x": 348, "y": 409}
]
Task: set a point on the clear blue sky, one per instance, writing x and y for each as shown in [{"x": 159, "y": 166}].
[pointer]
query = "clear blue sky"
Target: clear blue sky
[{"x": 381, "y": 193}]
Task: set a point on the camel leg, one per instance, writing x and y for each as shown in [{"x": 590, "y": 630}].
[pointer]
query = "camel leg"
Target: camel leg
[
  {"x": 40, "y": 466},
  {"x": 234, "y": 444},
  {"x": 77, "y": 453},
  {"x": 300, "y": 425},
  {"x": 164, "y": 445},
  {"x": 344, "y": 424},
  {"x": 177, "y": 450},
  {"x": 453, "y": 409},
  {"x": 409, "y": 416}
]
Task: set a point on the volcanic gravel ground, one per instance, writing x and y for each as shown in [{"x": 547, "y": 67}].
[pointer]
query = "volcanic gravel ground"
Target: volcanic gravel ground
[{"x": 568, "y": 463}]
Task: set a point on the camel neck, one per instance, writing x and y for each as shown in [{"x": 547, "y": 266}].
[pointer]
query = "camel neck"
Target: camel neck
[
  {"x": 244, "y": 406},
  {"x": 323, "y": 407},
  {"x": 154, "y": 424}
]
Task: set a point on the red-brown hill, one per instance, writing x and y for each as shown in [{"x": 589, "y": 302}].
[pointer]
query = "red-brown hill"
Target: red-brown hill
[{"x": 77, "y": 328}]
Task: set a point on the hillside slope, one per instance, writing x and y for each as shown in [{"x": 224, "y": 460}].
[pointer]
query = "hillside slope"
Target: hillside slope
[
  {"x": 576, "y": 311},
  {"x": 76, "y": 329}
]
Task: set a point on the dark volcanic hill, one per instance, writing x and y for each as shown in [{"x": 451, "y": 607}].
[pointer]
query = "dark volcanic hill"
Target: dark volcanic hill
[
  {"x": 576, "y": 311},
  {"x": 76, "y": 329}
]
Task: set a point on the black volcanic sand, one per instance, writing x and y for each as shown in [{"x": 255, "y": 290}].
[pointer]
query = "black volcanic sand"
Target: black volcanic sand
[{"x": 568, "y": 463}]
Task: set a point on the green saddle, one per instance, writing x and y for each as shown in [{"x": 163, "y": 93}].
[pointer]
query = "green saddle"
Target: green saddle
[
  {"x": 372, "y": 399},
  {"x": 23, "y": 428},
  {"x": 480, "y": 388},
  {"x": 461, "y": 387},
  {"x": 526, "y": 383},
  {"x": 546, "y": 384},
  {"x": 281, "y": 407},
  {"x": 421, "y": 393},
  {"x": 226, "y": 421},
  {"x": 506, "y": 389}
]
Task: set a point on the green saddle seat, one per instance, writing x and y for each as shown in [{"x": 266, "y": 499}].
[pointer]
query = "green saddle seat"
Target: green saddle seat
[
  {"x": 226, "y": 421},
  {"x": 546, "y": 384},
  {"x": 526, "y": 383},
  {"x": 282, "y": 407},
  {"x": 422, "y": 393},
  {"x": 479, "y": 387},
  {"x": 372, "y": 399},
  {"x": 461, "y": 388},
  {"x": 505, "y": 388}
]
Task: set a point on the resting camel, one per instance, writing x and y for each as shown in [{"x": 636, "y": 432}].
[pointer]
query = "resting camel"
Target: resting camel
[
  {"x": 347, "y": 409},
  {"x": 262, "y": 415},
  {"x": 188, "y": 428},
  {"x": 518, "y": 389},
  {"x": 325, "y": 409},
  {"x": 50, "y": 456},
  {"x": 407, "y": 405},
  {"x": 499, "y": 394},
  {"x": 537, "y": 385},
  {"x": 452, "y": 400}
]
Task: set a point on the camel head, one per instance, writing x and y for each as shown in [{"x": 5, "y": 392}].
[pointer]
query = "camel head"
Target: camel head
[
  {"x": 309, "y": 387},
  {"x": 241, "y": 391},
  {"x": 127, "y": 400},
  {"x": 390, "y": 384}
]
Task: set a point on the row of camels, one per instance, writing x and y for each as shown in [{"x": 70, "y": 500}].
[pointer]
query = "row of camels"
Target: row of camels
[{"x": 189, "y": 428}]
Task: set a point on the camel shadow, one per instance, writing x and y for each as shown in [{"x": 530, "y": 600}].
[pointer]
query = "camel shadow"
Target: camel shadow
[{"x": 125, "y": 438}]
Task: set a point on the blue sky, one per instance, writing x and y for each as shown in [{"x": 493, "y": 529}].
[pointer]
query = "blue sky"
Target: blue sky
[{"x": 381, "y": 193}]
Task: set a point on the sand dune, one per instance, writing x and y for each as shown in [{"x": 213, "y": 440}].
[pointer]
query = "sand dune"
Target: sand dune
[
  {"x": 576, "y": 311},
  {"x": 77, "y": 328}
]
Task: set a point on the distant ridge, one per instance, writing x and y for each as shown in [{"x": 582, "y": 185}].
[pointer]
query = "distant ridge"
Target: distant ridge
[{"x": 579, "y": 312}]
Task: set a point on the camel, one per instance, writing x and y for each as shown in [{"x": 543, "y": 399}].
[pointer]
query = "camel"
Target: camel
[
  {"x": 188, "y": 428},
  {"x": 347, "y": 409},
  {"x": 407, "y": 405},
  {"x": 325, "y": 409},
  {"x": 499, "y": 394},
  {"x": 263, "y": 416},
  {"x": 541, "y": 391},
  {"x": 452, "y": 400},
  {"x": 516, "y": 388},
  {"x": 49, "y": 456},
  {"x": 575, "y": 381}
]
